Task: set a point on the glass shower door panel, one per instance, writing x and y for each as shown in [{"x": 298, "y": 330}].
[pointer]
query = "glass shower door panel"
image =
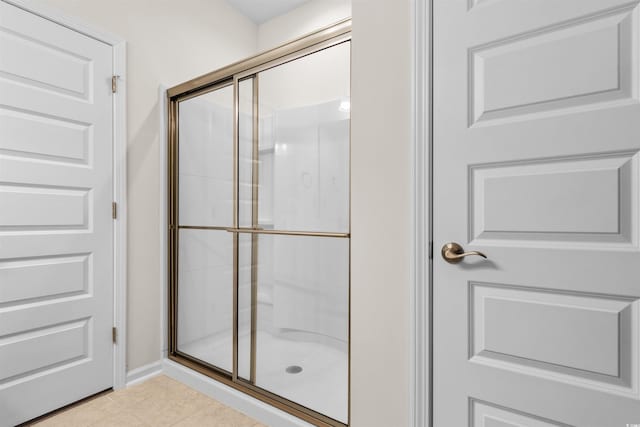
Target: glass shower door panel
[
  {"x": 301, "y": 331},
  {"x": 302, "y": 146},
  {"x": 205, "y": 296},
  {"x": 205, "y": 209},
  {"x": 205, "y": 170}
]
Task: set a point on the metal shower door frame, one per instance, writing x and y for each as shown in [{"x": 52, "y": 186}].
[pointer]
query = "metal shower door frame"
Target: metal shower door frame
[{"x": 232, "y": 75}]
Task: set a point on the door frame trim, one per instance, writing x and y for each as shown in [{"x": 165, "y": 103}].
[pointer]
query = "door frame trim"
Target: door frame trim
[
  {"x": 421, "y": 363},
  {"x": 119, "y": 128}
]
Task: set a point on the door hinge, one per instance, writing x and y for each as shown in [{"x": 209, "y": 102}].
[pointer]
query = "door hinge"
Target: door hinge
[
  {"x": 114, "y": 210},
  {"x": 114, "y": 83},
  {"x": 114, "y": 334}
]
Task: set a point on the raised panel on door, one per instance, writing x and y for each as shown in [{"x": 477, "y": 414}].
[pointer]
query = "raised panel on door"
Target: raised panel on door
[
  {"x": 536, "y": 141},
  {"x": 56, "y": 189}
]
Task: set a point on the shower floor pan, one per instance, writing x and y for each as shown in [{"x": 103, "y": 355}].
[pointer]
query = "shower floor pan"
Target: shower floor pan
[{"x": 311, "y": 374}]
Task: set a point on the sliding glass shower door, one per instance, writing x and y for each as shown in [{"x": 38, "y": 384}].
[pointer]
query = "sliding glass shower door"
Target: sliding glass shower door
[
  {"x": 205, "y": 212},
  {"x": 294, "y": 260},
  {"x": 259, "y": 260}
]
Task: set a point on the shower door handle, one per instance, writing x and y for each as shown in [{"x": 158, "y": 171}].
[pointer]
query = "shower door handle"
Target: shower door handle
[{"x": 453, "y": 253}]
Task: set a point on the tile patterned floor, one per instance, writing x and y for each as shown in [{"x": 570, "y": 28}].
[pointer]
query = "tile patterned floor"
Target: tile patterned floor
[{"x": 159, "y": 401}]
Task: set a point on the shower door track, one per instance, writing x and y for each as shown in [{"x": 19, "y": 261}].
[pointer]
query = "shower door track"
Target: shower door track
[{"x": 231, "y": 75}]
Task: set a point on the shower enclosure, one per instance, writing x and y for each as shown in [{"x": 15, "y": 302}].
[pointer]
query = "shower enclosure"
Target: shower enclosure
[{"x": 259, "y": 225}]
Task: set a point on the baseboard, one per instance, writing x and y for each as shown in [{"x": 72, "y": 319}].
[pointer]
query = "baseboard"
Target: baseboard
[
  {"x": 143, "y": 373},
  {"x": 233, "y": 398}
]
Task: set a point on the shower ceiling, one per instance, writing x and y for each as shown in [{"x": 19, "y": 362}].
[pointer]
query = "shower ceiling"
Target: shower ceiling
[{"x": 260, "y": 11}]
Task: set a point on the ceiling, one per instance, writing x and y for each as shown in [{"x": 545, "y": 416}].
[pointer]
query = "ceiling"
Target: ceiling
[{"x": 260, "y": 11}]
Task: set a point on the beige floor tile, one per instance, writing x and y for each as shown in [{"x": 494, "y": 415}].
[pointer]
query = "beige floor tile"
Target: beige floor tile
[
  {"x": 104, "y": 404},
  {"x": 158, "y": 402},
  {"x": 121, "y": 420},
  {"x": 166, "y": 411},
  {"x": 157, "y": 388},
  {"x": 83, "y": 414},
  {"x": 218, "y": 417},
  {"x": 80, "y": 416},
  {"x": 129, "y": 397}
]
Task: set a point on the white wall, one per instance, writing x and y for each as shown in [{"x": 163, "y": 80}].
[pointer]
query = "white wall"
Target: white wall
[
  {"x": 168, "y": 42},
  {"x": 381, "y": 212},
  {"x": 302, "y": 20}
]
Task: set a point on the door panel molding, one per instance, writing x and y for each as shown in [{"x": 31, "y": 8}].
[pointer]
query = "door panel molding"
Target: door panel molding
[
  {"x": 486, "y": 414},
  {"x": 500, "y": 88},
  {"x": 597, "y": 206},
  {"x": 582, "y": 338}
]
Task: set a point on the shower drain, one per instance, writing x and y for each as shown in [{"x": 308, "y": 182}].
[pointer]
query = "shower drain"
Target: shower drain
[{"x": 293, "y": 369}]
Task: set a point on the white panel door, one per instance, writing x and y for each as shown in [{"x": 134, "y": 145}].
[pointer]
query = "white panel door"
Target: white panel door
[
  {"x": 536, "y": 164},
  {"x": 56, "y": 262}
]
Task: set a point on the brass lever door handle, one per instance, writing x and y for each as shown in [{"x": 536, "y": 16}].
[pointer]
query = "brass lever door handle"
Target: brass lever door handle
[{"x": 453, "y": 253}]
